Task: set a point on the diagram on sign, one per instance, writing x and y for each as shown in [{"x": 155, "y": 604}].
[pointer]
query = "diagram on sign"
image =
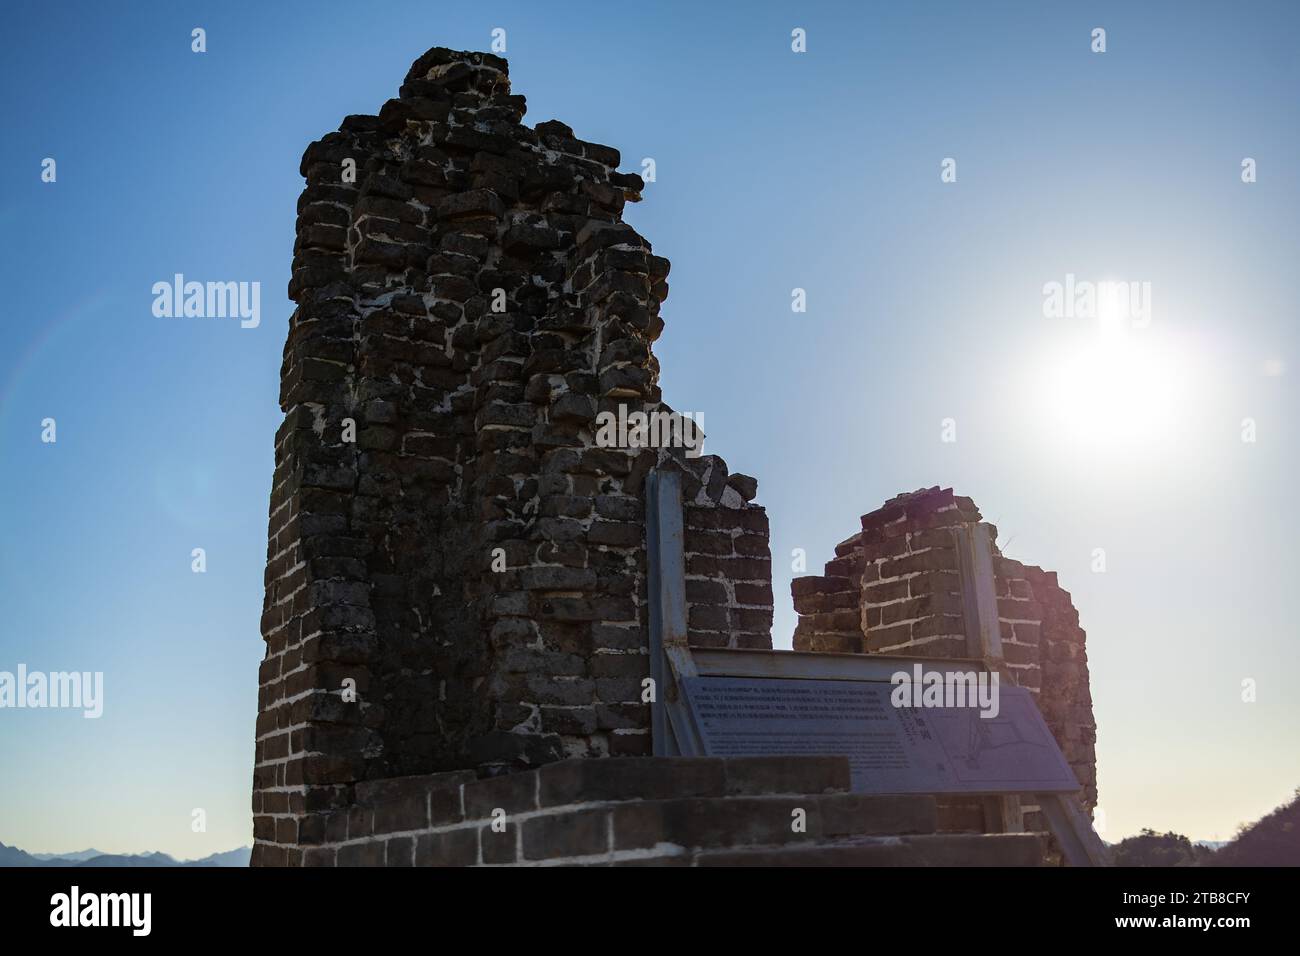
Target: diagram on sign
[{"x": 1001, "y": 747}]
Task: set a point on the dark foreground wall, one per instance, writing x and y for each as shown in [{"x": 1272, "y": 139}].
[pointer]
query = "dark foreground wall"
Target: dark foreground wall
[{"x": 456, "y": 566}]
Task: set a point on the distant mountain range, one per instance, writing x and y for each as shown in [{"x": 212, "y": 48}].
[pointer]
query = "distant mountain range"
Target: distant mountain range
[
  {"x": 79, "y": 855},
  {"x": 12, "y": 856}
]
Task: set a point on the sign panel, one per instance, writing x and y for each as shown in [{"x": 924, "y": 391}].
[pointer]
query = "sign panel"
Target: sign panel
[{"x": 890, "y": 749}]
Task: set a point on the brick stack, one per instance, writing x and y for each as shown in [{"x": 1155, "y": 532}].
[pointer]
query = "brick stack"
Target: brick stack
[
  {"x": 829, "y": 605},
  {"x": 728, "y": 563},
  {"x": 446, "y": 537},
  {"x": 896, "y": 588}
]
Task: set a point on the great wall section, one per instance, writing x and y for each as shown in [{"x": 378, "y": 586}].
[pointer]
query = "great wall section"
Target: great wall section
[{"x": 457, "y": 587}]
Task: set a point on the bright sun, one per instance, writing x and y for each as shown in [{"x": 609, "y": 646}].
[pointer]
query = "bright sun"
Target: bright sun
[
  {"x": 1114, "y": 391},
  {"x": 1113, "y": 388}
]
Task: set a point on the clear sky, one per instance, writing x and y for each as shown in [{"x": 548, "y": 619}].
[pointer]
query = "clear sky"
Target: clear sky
[{"x": 774, "y": 170}]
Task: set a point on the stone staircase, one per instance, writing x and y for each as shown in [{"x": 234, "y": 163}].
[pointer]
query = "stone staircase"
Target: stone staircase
[{"x": 646, "y": 811}]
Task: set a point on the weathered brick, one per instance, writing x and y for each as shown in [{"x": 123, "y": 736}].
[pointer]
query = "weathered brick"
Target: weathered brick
[
  {"x": 566, "y": 834},
  {"x": 458, "y": 847}
]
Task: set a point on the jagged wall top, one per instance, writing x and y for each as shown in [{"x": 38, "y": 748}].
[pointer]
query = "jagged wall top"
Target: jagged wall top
[{"x": 472, "y": 556}]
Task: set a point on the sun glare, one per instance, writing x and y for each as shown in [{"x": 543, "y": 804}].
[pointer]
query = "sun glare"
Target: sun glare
[{"x": 1115, "y": 389}]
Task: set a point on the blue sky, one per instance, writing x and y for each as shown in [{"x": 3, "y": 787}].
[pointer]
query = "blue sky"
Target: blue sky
[{"x": 775, "y": 170}]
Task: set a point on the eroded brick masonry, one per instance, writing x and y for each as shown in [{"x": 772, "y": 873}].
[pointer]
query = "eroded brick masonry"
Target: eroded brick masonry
[
  {"x": 456, "y": 607},
  {"x": 465, "y": 308},
  {"x": 895, "y": 587}
]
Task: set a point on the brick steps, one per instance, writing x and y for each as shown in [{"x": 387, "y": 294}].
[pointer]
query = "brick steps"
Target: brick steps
[
  {"x": 955, "y": 849},
  {"x": 636, "y": 811},
  {"x": 683, "y": 826},
  {"x": 699, "y": 823},
  {"x": 614, "y": 778}
]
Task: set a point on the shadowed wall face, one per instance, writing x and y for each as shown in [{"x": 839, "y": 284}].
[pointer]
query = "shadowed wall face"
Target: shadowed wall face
[{"x": 456, "y": 569}]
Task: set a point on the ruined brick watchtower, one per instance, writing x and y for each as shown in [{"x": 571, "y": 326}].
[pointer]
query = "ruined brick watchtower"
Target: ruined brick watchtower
[
  {"x": 457, "y": 608},
  {"x": 446, "y": 539}
]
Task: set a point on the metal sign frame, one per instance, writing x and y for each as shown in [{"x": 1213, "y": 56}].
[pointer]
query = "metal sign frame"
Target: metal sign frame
[{"x": 672, "y": 726}]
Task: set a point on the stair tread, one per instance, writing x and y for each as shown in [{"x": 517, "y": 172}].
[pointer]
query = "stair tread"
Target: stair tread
[{"x": 937, "y": 849}]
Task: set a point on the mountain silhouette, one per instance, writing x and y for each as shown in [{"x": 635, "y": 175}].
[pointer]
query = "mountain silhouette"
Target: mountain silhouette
[
  {"x": 1273, "y": 840},
  {"x": 79, "y": 855},
  {"x": 14, "y": 857}
]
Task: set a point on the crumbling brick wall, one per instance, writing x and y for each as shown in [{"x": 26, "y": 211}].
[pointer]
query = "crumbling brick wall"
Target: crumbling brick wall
[
  {"x": 728, "y": 562},
  {"x": 446, "y": 537},
  {"x": 895, "y": 587},
  {"x": 456, "y": 570},
  {"x": 1066, "y": 697}
]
